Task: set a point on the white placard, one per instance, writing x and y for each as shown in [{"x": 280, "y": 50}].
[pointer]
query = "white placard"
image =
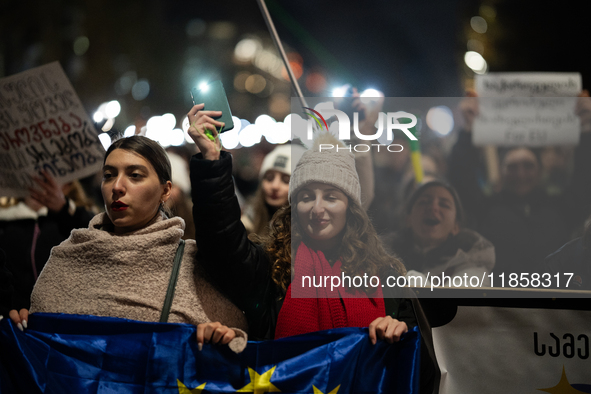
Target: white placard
[
  {"x": 528, "y": 84},
  {"x": 530, "y": 109},
  {"x": 489, "y": 350},
  {"x": 43, "y": 125}
]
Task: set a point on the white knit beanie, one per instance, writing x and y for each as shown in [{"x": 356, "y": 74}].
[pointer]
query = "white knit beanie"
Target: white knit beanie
[
  {"x": 281, "y": 159},
  {"x": 336, "y": 168}
]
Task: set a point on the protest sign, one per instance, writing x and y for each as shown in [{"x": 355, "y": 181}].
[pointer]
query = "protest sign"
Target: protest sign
[
  {"x": 43, "y": 126},
  {"x": 531, "y": 109},
  {"x": 514, "y": 350}
]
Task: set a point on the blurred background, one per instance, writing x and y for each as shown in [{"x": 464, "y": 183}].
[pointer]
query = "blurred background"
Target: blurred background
[{"x": 133, "y": 63}]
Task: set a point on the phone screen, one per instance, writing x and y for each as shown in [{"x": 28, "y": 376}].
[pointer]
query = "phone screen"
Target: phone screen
[{"x": 214, "y": 97}]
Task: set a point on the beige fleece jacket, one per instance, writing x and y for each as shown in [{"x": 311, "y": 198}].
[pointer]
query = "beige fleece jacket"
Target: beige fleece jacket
[{"x": 96, "y": 272}]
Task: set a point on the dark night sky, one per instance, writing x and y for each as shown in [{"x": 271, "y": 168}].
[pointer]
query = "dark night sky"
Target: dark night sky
[{"x": 404, "y": 48}]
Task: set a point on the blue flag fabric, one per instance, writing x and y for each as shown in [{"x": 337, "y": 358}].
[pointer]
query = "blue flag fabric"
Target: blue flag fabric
[{"x": 88, "y": 354}]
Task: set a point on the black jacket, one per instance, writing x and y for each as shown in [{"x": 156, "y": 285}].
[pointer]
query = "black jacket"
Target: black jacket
[{"x": 25, "y": 246}]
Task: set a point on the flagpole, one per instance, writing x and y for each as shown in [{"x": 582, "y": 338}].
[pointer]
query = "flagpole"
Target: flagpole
[{"x": 279, "y": 46}]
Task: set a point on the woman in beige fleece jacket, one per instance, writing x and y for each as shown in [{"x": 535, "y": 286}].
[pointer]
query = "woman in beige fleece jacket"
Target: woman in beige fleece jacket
[{"x": 120, "y": 265}]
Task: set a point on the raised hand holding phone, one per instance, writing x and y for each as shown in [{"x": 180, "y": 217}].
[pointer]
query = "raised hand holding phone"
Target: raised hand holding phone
[
  {"x": 201, "y": 122},
  {"x": 213, "y": 96}
]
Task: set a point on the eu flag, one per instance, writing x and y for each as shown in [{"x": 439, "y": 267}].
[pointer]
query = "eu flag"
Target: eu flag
[{"x": 88, "y": 354}]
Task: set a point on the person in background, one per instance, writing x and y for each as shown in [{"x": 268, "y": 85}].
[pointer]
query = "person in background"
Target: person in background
[
  {"x": 120, "y": 266},
  {"x": 522, "y": 221},
  {"x": 273, "y": 188},
  {"x": 30, "y": 227},
  {"x": 434, "y": 240}
]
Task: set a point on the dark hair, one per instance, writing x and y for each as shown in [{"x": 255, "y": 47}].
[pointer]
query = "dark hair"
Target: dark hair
[
  {"x": 152, "y": 152},
  {"x": 503, "y": 152},
  {"x": 149, "y": 150},
  {"x": 422, "y": 188}
]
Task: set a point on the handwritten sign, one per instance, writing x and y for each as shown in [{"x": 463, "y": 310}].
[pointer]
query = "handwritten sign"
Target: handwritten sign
[
  {"x": 43, "y": 125},
  {"x": 530, "y": 109}
]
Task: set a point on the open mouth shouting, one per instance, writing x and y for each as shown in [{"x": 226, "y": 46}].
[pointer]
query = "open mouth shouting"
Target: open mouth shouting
[{"x": 431, "y": 221}]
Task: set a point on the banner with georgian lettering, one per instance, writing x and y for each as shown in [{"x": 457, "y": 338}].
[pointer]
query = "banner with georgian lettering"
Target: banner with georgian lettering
[
  {"x": 527, "y": 109},
  {"x": 43, "y": 125},
  {"x": 490, "y": 350}
]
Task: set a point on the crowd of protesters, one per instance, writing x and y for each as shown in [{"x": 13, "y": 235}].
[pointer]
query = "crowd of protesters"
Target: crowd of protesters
[{"x": 445, "y": 224}]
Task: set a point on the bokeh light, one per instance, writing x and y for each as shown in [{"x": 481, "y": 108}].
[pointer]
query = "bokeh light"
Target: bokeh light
[
  {"x": 105, "y": 140},
  {"x": 98, "y": 117},
  {"x": 129, "y": 131},
  {"x": 81, "y": 45},
  {"x": 340, "y": 91},
  {"x": 478, "y": 24},
  {"x": 108, "y": 124},
  {"x": 246, "y": 49},
  {"x": 230, "y": 139},
  {"x": 176, "y": 137},
  {"x": 168, "y": 121},
  {"x": 250, "y": 135},
  {"x": 476, "y": 62},
  {"x": 112, "y": 109},
  {"x": 255, "y": 83},
  {"x": 140, "y": 89},
  {"x": 440, "y": 119}
]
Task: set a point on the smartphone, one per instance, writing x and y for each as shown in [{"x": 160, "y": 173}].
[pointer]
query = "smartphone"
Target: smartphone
[{"x": 214, "y": 97}]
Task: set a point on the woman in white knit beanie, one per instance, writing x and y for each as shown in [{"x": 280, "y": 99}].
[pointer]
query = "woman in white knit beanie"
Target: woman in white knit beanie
[
  {"x": 272, "y": 193},
  {"x": 324, "y": 232}
]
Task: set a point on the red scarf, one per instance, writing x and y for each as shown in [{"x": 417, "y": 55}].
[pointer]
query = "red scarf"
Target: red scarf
[{"x": 318, "y": 308}]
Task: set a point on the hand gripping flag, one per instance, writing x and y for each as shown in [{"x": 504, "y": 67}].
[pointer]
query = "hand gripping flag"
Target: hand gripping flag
[{"x": 89, "y": 354}]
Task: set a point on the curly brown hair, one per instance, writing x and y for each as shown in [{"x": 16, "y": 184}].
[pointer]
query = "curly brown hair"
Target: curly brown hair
[
  {"x": 361, "y": 250},
  {"x": 261, "y": 216}
]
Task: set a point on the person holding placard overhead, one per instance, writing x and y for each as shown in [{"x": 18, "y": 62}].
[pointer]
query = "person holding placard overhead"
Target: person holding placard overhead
[{"x": 522, "y": 221}]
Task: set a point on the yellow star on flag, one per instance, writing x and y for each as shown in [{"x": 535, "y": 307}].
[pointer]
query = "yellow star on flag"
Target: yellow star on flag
[
  {"x": 563, "y": 387},
  {"x": 317, "y": 391},
  {"x": 184, "y": 390},
  {"x": 260, "y": 384}
]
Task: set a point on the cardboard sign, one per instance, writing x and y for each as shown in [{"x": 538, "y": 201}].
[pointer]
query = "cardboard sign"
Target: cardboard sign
[
  {"x": 43, "y": 125},
  {"x": 529, "y": 109}
]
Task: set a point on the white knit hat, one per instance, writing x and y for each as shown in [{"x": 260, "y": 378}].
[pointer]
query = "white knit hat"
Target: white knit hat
[
  {"x": 280, "y": 159},
  {"x": 336, "y": 168}
]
